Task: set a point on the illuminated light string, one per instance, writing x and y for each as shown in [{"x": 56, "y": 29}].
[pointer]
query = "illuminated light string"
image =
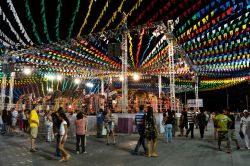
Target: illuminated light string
[
  {"x": 85, "y": 18},
  {"x": 138, "y": 3},
  {"x": 20, "y": 25},
  {"x": 112, "y": 19},
  {"x": 45, "y": 29},
  {"x": 4, "y": 18},
  {"x": 59, "y": 6},
  {"x": 131, "y": 49},
  {"x": 139, "y": 48},
  {"x": 100, "y": 16},
  {"x": 30, "y": 18},
  {"x": 73, "y": 18}
]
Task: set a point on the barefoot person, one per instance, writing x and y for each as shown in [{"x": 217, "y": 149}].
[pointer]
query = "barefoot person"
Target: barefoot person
[
  {"x": 63, "y": 136},
  {"x": 34, "y": 123}
]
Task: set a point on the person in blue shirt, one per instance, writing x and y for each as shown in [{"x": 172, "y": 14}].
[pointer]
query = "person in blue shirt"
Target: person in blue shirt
[{"x": 140, "y": 124}]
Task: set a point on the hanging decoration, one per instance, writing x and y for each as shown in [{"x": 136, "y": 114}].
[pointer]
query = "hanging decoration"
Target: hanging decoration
[
  {"x": 4, "y": 18},
  {"x": 113, "y": 16},
  {"x": 30, "y": 18},
  {"x": 100, "y": 16},
  {"x": 59, "y": 6},
  {"x": 45, "y": 29},
  {"x": 138, "y": 3},
  {"x": 73, "y": 19},
  {"x": 139, "y": 47},
  {"x": 131, "y": 49},
  {"x": 20, "y": 25},
  {"x": 86, "y": 18}
]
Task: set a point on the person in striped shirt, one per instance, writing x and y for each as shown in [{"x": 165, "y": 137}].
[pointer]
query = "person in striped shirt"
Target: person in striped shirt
[
  {"x": 190, "y": 118},
  {"x": 140, "y": 124}
]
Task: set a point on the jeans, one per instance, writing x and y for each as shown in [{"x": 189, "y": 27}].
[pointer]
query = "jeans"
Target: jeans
[
  {"x": 80, "y": 138},
  {"x": 168, "y": 132},
  {"x": 141, "y": 141},
  {"x": 57, "y": 144},
  {"x": 191, "y": 128}
]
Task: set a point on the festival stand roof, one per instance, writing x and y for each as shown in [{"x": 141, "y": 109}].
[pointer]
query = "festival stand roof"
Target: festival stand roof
[{"x": 71, "y": 38}]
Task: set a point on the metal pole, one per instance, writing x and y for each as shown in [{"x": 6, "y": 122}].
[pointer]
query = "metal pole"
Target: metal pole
[
  {"x": 12, "y": 79},
  {"x": 171, "y": 66},
  {"x": 124, "y": 48},
  {"x": 196, "y": 88},
  {"x": 3, "y": 88},
  {"x": 160, "y": 85},
  {"x": 102, "y": 86}
]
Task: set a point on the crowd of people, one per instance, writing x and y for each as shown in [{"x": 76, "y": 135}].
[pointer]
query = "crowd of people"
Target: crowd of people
[{"x": 57, "y": 127}]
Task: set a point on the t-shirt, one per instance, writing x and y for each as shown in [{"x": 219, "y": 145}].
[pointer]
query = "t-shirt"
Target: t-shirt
[
  {"x": 34, "y": 117},
  {"x": 62, "y": 128},
  {"x": 140, "y": 119},
  {"x": 233, "y": 121},
  {"x": 81, "y": 126},
  {"x": 190, "y": 117},
  {"x": 222, "y": 122}
]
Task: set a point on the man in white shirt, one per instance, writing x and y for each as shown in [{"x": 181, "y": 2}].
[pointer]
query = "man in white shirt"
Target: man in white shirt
[
  {"x": 14, "y": 115},
  {"x": 245, "y": 128}
]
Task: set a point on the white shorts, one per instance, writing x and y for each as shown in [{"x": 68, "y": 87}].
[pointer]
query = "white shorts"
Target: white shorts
[{"x": 61, "y": 138}]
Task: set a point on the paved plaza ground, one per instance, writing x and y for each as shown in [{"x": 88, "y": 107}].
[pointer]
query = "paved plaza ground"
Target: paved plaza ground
[{"x": 14, "y": 151}]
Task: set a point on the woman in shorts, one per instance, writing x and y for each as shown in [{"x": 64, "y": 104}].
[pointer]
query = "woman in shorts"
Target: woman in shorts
[{"x": 63, "y": 136}]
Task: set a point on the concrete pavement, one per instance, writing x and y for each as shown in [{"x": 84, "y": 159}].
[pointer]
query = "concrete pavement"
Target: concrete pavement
[{"x": 14, "y": 151}]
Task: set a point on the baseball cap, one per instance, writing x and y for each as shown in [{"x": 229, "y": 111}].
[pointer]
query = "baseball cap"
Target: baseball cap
[{"x": 245, "y": 111}]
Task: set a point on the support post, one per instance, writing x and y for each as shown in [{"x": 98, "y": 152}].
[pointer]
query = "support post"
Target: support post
[
  {"x": 171, "y": 66},
  {"x": 102, "y": 86},
  {"x": 196, "y": 89},
  {"x": 160, "y": 85},
  {"x": 12, "y": 79},
  {"x": 124, "y": 48},
  {"x": 3, "y": 88}
]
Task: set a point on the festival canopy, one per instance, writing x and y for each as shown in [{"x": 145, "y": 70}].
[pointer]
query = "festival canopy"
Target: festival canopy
[{"x": 73, "y": 39}]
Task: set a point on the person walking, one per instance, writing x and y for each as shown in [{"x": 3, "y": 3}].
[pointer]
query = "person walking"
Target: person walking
[
  {"x": 34, "y": 123},
  {"x": 183, "y": 122},
  {"x": 231, "y": 130},
  {"x": 49, "y": 125},
  {"x": 56, "y": 128},
  {"x": 223, "y": 122},
  {"x": 63, "y": 136},
  {"x": 168, "y": 121},
  {"x": 201, "y": 119},
  {"x": 151, "y": 132},
  {"x": 25, "y": 118},
  {"x": 5, "y": 120},
  {"x": 190, "y": 118},
  {"x": 109, "y": 125},
  {"x": 81, "y": 130},
  {"x": 140, "y": 125},
  {"x": 244, "y": 128}
]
